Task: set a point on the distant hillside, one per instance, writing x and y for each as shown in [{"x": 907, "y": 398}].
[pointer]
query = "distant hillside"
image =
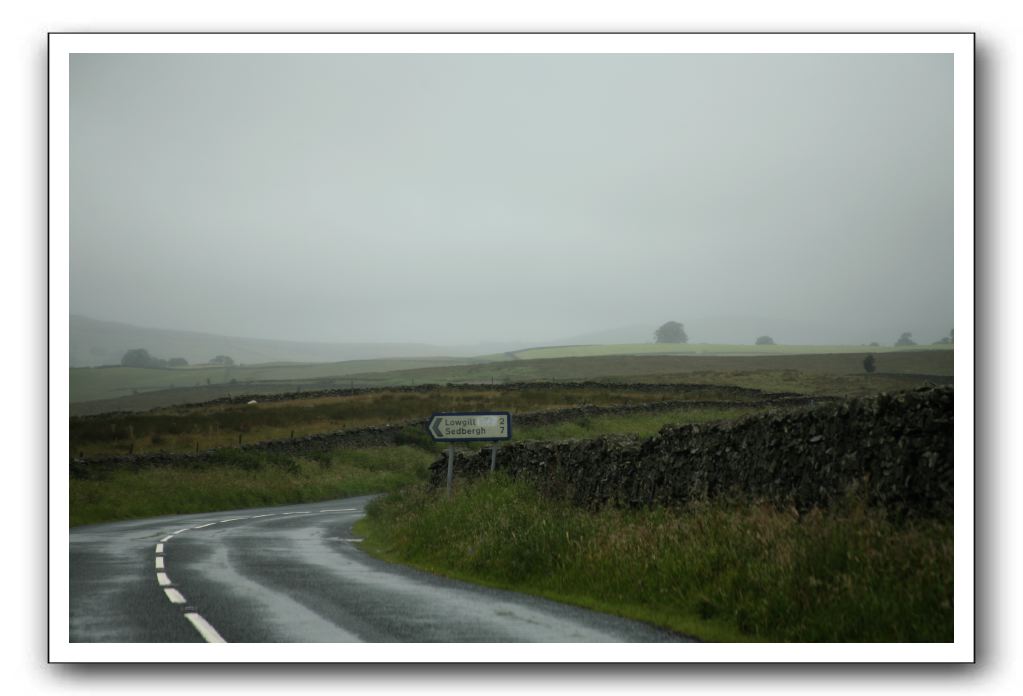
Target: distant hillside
[{"x": 95, "y": 342}]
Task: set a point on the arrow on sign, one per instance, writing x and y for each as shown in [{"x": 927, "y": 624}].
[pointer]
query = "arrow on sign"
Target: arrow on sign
[{"x": 435, "y": 428}]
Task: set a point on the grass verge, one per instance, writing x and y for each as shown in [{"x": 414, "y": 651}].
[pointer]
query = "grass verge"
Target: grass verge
[
  {"x": 241, "y": 479},
  {"x": 721, "y": 572},
  {"x": 639, "y": 424}
]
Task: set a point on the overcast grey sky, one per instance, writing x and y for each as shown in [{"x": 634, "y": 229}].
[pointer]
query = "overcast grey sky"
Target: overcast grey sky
[{"x": 464, "y": 198}]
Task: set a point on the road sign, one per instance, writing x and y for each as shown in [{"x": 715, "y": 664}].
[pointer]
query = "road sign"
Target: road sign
[{"x": 470, "y": 427}]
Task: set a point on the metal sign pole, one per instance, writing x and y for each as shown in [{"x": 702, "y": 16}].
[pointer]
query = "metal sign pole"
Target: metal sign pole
[
  {"x": 493, "y": 457},
  {"x": 451, "y": 465}
]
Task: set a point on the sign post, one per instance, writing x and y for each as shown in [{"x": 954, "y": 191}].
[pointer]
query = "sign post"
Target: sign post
[
  {"x": 470, "y": 427},
  {"x": 451, "y": 465}
]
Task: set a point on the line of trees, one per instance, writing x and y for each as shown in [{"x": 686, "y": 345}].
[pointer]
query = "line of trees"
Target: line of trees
[
  {"x": 140, "y": 357},
  {"x": 675, "y": 332},
  {"x": 906, "y": 339}
]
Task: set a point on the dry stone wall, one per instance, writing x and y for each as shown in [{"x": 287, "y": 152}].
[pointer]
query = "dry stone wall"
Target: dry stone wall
[{"x": 896, "y": 447}]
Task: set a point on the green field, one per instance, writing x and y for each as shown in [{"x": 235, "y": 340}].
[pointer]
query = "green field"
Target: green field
[
  {"x": 95, "y": 390},
  {"x": 705, "y": 349},
  {"x": 94, "y": 383}
]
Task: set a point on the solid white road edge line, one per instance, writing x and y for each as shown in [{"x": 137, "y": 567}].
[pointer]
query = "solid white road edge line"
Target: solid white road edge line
[
  {"x": 166, "y": 538},
  {"x": 205, "y": 630}
]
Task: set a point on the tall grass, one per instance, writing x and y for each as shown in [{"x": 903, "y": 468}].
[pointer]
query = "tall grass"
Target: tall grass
[
  {"x": 242, "y": 479},
  {"x": 641, "y": 424},
  {"x": 717, "y": 571}
]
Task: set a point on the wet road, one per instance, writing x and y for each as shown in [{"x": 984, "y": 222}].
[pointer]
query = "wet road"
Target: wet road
[{"x": 293, "y": 574}]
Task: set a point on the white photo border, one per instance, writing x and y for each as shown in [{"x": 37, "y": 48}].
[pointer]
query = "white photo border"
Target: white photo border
[{"x": 959, "y": 45}]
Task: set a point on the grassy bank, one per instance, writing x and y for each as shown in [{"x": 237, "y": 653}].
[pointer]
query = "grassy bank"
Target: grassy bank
[
  {"x": 241, "y": 479},
  {"x": 716, "y": 571},
  {"x": 642, "y": 424}
]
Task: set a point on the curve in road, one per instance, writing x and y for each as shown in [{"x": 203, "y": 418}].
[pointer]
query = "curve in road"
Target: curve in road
[{"x": 294, "y": 574}]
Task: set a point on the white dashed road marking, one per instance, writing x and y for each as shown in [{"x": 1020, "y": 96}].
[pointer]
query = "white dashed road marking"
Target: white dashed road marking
[
  {"x": 173, "y": 595},
  {"x": 204, "y": 628}
]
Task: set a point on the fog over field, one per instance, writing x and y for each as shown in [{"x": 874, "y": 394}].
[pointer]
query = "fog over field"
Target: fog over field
[{"x": 460, "y": 199}]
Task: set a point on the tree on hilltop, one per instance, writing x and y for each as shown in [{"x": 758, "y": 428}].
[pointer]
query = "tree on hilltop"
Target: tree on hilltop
[
  {"x": 225, "y": 360},
  {"x": 765, "y": 341},
  {"x": 906, "y": 339},
  {"x": 671, "y": 332}
]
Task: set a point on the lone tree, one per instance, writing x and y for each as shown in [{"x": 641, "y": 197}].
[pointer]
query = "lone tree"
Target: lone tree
[
  {"x": 868, "y": 363},
  {"x": 177, "y": 362},
  {"x": 225, "y": 360},
  {"x": 765, "y": 341},
  {"x": 906, "y": 339},
  {"x": 671, "y": 332}
]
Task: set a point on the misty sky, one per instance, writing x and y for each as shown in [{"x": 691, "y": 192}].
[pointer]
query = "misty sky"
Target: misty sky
[{"x": 464, "y": 198}]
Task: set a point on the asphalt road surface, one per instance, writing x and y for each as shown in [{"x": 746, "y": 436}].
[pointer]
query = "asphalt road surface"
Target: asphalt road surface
[{"x": 294, "y": 574}]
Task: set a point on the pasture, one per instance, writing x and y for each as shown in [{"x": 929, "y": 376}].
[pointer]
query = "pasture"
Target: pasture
[
  {"x": 699, "y": 349},
  {"x": 98, "y": 390}
]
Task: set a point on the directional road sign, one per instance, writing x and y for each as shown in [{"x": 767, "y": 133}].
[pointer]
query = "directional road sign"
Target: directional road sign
[{"x": 470, "y": 427}]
